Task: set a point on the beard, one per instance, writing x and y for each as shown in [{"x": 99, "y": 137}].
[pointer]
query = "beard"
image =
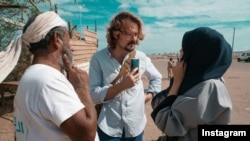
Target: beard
[
  {"x": 69, "y": 53},
  {"x": 129, "y": 49}
]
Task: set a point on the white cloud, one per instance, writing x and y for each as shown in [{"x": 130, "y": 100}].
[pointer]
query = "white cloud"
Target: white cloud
[
  {"x": 70, "y": 5},
  {"x": 217, "y": 9},
  {"x": 65, "y": 13},
  {"x": 59, "y": 2},
  {"x": 165, "y": 24},
  {"x": 173, "y": 18},
  {"x": 170, "y": 19},
  {"x": 124, "y": 6}
]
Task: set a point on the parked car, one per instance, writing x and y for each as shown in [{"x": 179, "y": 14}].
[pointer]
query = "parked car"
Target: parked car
[{"x": 244, "y": 56}]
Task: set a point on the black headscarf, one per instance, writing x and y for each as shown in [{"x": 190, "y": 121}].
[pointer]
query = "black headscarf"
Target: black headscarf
[{"x": 207, "y": 55}]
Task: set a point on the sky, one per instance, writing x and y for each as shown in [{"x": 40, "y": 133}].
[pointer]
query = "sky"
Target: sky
[{"x": 165, "y": 21}]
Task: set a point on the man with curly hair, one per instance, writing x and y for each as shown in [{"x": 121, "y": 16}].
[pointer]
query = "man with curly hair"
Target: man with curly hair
[{"x": 122, "y": 116}]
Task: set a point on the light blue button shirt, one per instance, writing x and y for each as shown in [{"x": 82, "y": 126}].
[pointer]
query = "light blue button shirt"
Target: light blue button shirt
[{"x": 126, "y": 110}]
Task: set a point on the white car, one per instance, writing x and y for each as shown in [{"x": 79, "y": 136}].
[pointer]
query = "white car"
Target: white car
[{"x": 244, "y": 56}]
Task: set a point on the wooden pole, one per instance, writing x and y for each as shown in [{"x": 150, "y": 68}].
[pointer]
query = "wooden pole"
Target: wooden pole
[
  {"x": 233, "y": 40},
  {"x": 70, "y": 29},
  {"x": 95, "y": 26},
  {"x": 56, "y": 8},
  {"x": 50, "y": 7},
  {"x": 12, "y": 6}
]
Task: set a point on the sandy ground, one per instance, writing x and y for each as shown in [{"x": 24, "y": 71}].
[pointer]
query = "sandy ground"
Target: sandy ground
[
  {"x": 237, "y": 80},
  {"x": 238, "y": 83}
]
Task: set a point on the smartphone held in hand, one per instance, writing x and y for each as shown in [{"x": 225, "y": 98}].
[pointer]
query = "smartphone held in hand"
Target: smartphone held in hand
[{"x": 134, "y": 64}]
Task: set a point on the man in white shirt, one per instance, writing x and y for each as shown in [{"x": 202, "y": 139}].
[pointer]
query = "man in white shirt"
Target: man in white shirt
[
  {"x": 122, "y": 116},
  {"x": 48, "y": 106}
]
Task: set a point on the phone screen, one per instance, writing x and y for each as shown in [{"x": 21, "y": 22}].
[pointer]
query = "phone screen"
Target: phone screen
[{"x": 134, "y": 64}]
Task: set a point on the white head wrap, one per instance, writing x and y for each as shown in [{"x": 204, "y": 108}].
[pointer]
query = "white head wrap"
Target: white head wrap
[
  {"x": 39, "y": 28},
  {"x": 34, "y": 33},
  {"x": 9, "y": 58}
]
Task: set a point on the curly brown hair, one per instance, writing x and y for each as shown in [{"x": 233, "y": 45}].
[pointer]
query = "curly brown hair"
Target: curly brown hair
[{"x": 117, "y": 24}]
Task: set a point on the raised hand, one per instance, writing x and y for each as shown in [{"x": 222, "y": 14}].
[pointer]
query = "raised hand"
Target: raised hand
[
  {"x": 130, "y": 78},
  {"x": 179, "y": 72},
  {"x": 76, "y": 76}
]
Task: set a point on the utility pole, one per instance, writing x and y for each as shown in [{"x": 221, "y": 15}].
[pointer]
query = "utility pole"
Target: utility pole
[
  {"x": 56, "y": 8},
  {"x": 95, "y": 26},
  {"x": 50, "y": 7},
  {"x": 233, "y": 40},
  {"x": 80, "y": 18}
]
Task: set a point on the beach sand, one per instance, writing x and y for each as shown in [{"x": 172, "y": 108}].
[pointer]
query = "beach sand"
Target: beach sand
[{"x": 237, "y": 80}]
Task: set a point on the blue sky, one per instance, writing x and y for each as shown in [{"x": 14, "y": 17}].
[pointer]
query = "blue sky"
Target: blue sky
[{"x": 165, "y": 21}]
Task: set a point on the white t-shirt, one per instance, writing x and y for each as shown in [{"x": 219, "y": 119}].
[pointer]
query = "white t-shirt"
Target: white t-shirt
[{"x": 44, "y": 100}]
